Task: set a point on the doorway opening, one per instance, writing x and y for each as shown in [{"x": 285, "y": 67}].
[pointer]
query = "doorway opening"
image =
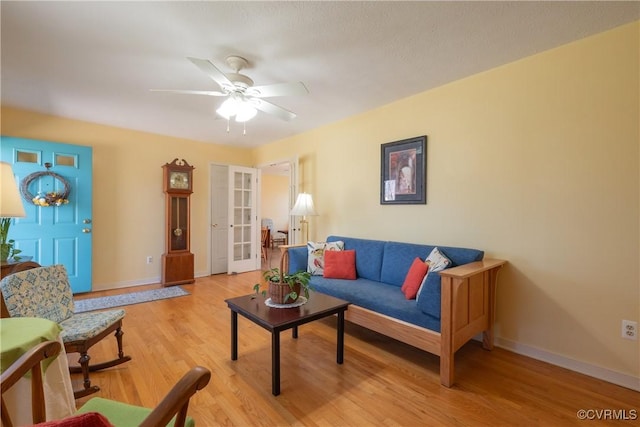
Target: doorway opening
[{"x": 275, "y": 203}]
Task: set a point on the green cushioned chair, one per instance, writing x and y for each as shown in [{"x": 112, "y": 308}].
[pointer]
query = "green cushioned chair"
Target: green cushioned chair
[
  {"x": 45, "y": 292},
  {"x": 171, "y": 411}
]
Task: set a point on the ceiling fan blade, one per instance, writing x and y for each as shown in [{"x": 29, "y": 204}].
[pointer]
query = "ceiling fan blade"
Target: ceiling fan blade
[
  {"x": 191, "y": 92},
  {"x": 209, "y": 69},
  {"x": 273, "y": 109},
  {"x": 278, "y": 89}
]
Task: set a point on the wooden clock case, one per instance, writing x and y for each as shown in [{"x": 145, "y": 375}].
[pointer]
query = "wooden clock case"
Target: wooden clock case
[{"x": 177, "y": 261}]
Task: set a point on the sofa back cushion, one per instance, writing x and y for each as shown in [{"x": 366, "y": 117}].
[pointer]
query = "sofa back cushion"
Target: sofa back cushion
[
  {"x": 430, "y": 295},
  {"x": 399, "y": 256},
  {"x": 368, "y": 255},
  {"x": 397, "y": 260}
]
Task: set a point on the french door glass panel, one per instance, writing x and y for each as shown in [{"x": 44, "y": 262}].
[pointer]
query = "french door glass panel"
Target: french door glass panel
[{"x": 243, "y": 231}]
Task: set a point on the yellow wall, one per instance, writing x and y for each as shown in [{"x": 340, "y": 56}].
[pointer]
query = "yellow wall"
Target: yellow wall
[
  {"x": 275, "y": 200},
  {"x": 535, "y": 162},
  {"x": 128, "y": 202}
]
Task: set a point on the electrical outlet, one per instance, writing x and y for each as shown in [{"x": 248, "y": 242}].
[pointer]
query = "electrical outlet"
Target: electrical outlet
[
  {"x": 630, "y": 330},
  {"x": 149, "y": 259}
]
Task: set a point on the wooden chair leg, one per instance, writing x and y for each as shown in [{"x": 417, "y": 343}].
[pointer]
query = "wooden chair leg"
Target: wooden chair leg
[
  {"x": 119, "y": 335},
  {"x": 86, "y": 382},
  {"x": 85, "y": 367},
  {"x": 98, "y": 366}
]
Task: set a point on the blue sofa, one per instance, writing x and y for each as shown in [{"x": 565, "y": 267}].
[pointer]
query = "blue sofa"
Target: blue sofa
[{"x": 453, "y": 307}]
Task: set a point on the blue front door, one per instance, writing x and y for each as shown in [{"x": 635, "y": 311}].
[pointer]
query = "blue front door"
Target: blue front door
[{"x": 54, "y": 234}]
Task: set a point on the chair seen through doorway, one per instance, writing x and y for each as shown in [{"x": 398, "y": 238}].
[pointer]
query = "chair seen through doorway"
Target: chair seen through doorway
[{"x": 264, "y": 239}]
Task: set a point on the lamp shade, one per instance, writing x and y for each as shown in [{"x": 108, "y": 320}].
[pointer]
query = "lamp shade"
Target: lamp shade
[
  {"x": 304, "y": 205},
  {"x": 10, "y": 201}
]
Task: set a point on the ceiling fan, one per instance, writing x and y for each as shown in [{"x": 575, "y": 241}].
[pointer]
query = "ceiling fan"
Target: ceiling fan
[{"x": 243, "y": 98}]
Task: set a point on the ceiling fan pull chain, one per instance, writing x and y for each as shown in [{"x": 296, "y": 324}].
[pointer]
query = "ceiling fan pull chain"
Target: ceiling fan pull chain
[
  {"x": 227, "y": 125},
  {"x": 244, "y": 128}
]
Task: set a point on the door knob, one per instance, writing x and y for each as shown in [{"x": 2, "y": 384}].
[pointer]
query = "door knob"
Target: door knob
[
  {"x": 86, "y": 221},
  {"x": 86, "y": 230}
]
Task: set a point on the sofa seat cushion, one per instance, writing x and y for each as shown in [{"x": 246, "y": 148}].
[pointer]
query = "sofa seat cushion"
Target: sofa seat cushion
[{"x": 378, "y": 297}]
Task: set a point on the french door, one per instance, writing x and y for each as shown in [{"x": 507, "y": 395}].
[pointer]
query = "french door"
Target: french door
[
  {"x": 54, "y": 234},
  {"x": 243, "y": 250}
]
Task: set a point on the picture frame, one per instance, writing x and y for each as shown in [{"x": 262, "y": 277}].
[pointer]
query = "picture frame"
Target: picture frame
[{"x": 403, "y": 172}]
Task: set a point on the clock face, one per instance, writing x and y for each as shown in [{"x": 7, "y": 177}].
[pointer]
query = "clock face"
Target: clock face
[{"x": 179, "y": 180}]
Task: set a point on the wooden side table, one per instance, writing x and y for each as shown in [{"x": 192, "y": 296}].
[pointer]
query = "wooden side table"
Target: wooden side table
[{"x": 13, "y": 266}]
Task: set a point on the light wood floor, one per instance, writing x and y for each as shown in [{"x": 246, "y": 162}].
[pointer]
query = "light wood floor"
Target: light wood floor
[{"x": 382, "y": 382}]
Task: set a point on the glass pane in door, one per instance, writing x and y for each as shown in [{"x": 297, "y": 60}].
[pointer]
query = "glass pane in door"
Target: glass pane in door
[{"x": 243, "y": 213}]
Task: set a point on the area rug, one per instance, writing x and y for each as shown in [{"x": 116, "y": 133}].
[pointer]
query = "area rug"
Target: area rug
[{"x": 99, "y": 303}]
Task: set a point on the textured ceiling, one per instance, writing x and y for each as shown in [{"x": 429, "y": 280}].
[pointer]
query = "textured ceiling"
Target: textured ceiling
[{"x": 96, "y": 61}]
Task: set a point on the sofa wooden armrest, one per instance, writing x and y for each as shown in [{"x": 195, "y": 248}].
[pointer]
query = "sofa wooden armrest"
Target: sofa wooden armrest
[
  {"x": 467, "y": 309},
  {"x": 284, "y": 259}
]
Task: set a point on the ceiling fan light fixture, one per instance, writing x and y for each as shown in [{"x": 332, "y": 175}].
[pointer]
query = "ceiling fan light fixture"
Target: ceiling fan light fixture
[
  {"x": 245, "y": 112},
  {"x": 228, "y": 108}
]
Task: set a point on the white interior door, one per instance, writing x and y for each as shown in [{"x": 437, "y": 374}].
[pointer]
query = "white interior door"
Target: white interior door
[
  {"x": 243, "y": 248},
  {"x": 219, "y": 218}
]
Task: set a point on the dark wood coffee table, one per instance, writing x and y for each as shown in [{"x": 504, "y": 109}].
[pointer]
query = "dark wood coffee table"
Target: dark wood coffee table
[{"x": 279, "y": 319}]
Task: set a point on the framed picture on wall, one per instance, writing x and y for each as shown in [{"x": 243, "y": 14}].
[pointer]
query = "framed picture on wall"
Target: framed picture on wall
[{"x": 403, "y": 172}]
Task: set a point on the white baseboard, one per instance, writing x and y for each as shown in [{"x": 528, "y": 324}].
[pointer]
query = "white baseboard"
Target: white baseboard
[
  {"x": 126, "y": 284},
  {"x": 139, "y": 282},
  {"x": 624, "y": 380}
]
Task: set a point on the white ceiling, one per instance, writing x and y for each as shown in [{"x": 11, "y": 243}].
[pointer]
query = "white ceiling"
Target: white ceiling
[{"x": 96, "y": 61}]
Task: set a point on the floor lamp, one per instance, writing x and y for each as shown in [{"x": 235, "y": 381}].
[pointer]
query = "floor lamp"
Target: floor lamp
[
  {"x": 10, "y": 207},
  {"x": 304, "y": 207}
]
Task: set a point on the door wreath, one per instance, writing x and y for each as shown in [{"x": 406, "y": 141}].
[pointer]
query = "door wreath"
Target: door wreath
[{"x": 53, "y": 198}]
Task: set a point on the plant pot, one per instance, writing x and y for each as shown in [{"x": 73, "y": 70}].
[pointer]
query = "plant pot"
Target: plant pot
[{"x": 278, "y": 292}]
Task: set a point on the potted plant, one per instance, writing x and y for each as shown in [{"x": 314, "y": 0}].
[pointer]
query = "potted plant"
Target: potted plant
[
  {"x": 285, "y": 288},
  {"x": 6, "y": 246}
]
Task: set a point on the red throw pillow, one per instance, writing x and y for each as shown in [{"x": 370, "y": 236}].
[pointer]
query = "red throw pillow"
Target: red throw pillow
[
  {"x": 340, "y": 264},
  {"x": 413, "y": 279}
]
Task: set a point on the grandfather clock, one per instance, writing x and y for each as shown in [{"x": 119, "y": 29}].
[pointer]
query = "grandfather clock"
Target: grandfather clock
[{"x": 177, "y": 261}]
